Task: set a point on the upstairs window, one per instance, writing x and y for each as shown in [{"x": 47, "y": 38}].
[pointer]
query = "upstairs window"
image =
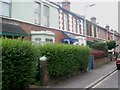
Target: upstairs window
[
  {"x": 90, "y": 30},
  {"x": 46, "y": 16},
  {"x": 6, "y": 8},
  {"x": 95, "y": 32},
  {"x": 74, "y": 25},
  {"x": 79, "y": 27},
  {"x": 87, "y": 31},
  {"x": 37, "y": 13},
  {"x": 65, "y": 22}
]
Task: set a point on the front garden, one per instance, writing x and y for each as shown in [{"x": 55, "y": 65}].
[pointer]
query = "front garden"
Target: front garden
[{"x": 21, "y": 65}]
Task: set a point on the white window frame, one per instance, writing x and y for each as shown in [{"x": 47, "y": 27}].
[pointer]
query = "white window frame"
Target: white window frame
[
  {"x": 38, "y": 13},
  {"x": 78, "y": 26},
  {"x": 65, "y": 22},
  {"x": 74, "y": 25},
  {"x": 6, "y": 2},
  {"x": 46, "y": 16}
]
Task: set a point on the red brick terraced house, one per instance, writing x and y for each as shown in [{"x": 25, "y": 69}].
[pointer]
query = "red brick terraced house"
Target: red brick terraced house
[{"x": 45, "y": 21}]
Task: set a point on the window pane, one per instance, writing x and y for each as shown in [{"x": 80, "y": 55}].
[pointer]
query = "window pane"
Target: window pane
[
  {"x": 37, "y": 7},
  {"x": 46, "y": 15},
  {"x": 0, "y": 8},
  {"x": 7, "y": 1},
  {"x": 37, "y": 18},
  {"x": 78, "y": 26},
  {"x": 38, "y": 39},
  {"x": 65, "y": 22},
  {"x": 49, "y": 40},
  {"x": 87, "y": 31},
  {"x": 74, "y": 21},
  {"x": 37, "y": 13},
  {"x": 90, "y": 30},
  {"x": 6, "y": 9},
  {"x": 46, "y": 10},
  {"x": 94, "y": 31}
]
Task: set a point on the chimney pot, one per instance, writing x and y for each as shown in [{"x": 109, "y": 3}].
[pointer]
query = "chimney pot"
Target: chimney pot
[
  {"x": 93, "y": 19},
  {"x": 107, "y": 27},
  {"x": 66, "y": 4}
]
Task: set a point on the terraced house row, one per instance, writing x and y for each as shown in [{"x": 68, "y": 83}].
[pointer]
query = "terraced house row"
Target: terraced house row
[{"x": 43, "y": 21}]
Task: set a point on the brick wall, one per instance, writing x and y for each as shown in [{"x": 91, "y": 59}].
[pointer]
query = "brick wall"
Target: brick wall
[
  {"x": 100, "y": 62},
  {"x": 30, "y": 27}
]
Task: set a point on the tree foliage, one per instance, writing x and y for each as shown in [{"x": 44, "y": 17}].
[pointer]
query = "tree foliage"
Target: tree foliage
[{"x": 111, "y": 44}]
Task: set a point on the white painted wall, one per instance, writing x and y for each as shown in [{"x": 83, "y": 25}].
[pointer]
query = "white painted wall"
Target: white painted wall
[
  {"x": 0, "y": 7},
  {"x": 23, "y": 11}
]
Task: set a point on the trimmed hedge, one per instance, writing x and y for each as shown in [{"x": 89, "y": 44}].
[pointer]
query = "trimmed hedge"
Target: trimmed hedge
[
  {"x": 65, "y": 59},
  {"x": 19, "y": 59},
  {"x": 101, "y": 46},
  {"x": 0, "y": 64},
  {"x": 98, "y": 54}
]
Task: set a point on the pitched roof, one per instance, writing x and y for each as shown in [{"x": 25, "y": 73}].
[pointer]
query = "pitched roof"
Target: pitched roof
[{"x": 12, "y": 30}]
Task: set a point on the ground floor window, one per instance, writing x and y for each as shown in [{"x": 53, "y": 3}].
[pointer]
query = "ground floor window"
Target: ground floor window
[{"x": 42, "y": 37}]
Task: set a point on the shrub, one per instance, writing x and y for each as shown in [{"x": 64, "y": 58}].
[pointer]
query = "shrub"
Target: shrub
[
  {"x": 18, "y": 63},
  {"x": 65, "y": 59},
  {"x": 101, "y": 46},
  {"x": 98, "y": 54},
  {"x": 0, "y": 64}
]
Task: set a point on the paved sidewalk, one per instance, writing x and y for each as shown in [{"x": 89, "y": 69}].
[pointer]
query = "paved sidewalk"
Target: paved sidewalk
[{"x": 85, "y": 79}]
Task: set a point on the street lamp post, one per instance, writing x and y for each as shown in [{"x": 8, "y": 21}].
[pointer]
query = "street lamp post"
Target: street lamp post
[{"x": 85, "y": 17}]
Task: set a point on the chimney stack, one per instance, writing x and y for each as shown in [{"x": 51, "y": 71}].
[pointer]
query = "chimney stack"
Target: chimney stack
[
  {"x": 107, "y": 27},
  {"x": 66, "y": 5},
  {"x": 93, "y": 19}
]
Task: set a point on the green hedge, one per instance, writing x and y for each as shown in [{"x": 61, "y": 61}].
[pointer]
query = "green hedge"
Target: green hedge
[
  {"x": 0, "y": 64},
  {"x": 19, "y": 59},
  {"x": 65, "y": 59},
  {"x": 101, "y": 46}
]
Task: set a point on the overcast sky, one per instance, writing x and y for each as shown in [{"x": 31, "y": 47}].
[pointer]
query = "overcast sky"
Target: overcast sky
[{"x": 106, "y": 11}]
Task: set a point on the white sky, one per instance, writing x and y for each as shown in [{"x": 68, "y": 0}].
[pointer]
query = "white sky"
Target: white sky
[{"x": 106, "y": 11}]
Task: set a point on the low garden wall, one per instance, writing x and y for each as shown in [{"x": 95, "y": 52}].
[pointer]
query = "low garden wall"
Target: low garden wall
[
  {"x": 99, "y": 58},
  {"x": 101, "y": 61}
]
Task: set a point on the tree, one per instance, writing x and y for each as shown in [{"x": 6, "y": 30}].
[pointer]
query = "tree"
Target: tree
[{"x": 111, "y": 44}]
